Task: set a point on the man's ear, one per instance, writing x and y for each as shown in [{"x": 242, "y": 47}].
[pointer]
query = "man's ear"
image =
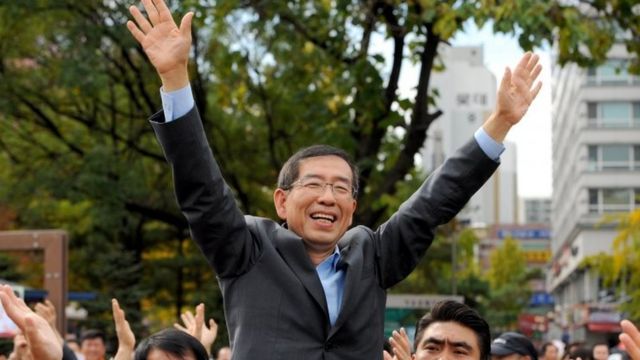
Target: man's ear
[
  {"x": 280, "y": 201},
  {"x": 353, "y": 211}
]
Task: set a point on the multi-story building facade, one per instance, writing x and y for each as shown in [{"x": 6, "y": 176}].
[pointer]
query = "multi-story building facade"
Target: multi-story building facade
[
  {"x": 596, "y": 171},
  {"x": 467, "y": 91},
  {"x": 536, "y": 211}
]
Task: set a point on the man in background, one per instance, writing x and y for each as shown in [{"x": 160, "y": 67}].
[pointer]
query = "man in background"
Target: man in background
[{"x": 513, "y": 346}]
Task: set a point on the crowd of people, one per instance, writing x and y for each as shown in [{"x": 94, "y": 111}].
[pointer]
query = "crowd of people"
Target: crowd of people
[
  {"x": 451, "y": 330},
  {"x": 38, "y": 335},
  {"x": 311, "y": 285}
]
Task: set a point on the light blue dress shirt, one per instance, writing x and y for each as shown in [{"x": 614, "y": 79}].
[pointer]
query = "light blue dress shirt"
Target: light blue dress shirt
[
  {"x": 332, "y": 280},
  {"x": 177, "y": 103}
]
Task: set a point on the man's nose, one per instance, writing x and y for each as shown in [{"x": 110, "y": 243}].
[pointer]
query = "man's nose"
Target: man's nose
[{"x": 327, "y": 193}]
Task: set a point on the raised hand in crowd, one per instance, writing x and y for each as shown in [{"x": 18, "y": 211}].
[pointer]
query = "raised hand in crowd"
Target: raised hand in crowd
[
  {"x": 126, "y": 338},
  {"x": 630, "y": 337},
  {"x": 47, "y": 311},
  {"x": 400, "y": 345},
  {"x": 194, "y": 326},
  {"x": 39, "y": 335}
]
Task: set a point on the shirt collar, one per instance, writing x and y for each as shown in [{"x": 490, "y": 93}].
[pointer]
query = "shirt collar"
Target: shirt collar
[{"x": 332, "y": 260}]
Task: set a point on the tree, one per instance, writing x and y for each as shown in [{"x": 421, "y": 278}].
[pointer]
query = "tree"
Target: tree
[
  {"x": 621, "y": 268},
  {"x": 507, "y": 277},
  {"x": 268, "y": 78}
]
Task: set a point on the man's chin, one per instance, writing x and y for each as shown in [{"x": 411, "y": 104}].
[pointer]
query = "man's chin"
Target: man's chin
[{"x": 321, "y": 241}]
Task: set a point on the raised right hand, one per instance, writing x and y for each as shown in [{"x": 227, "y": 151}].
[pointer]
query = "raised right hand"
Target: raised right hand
[
  {"x": 166, "y": 45},
  {"x": 126, "y": 338}
]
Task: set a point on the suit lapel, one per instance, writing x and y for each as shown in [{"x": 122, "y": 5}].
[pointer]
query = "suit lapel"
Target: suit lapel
[
  {"x": 353, "y": 273},
  {"x": 291, "y": 249}
]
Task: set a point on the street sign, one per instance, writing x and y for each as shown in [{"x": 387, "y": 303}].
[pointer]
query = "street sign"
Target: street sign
[{"x": 409, "y": 301}]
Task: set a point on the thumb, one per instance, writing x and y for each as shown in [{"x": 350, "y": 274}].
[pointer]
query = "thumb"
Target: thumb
[{"x": 185, "y": 24}]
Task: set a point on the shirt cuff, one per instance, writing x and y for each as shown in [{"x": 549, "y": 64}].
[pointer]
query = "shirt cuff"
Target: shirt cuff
[
  {"x": 176, "y": 103},
  {"x": 491, "y": 148}
]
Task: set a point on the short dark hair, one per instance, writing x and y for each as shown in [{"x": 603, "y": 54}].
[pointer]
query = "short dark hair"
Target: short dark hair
[
  {"x": 93, "y": 334},
  {"x": 290, "y": 170},
  {"x": 448, "y": 310},
  {"x": 543, "y": 348},
  {"x": 582, "y": 353},
  {"x": 174, "y": 342}
]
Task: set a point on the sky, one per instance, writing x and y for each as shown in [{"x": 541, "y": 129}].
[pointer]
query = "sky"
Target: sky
[{"x": 532, "y": 135}]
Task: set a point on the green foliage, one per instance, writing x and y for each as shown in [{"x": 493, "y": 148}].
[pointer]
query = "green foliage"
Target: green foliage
[
  {"x": 507, "y": 264},
  {"x": 507, "y": 277},
  {"x": 621, "y": 268},
  {"x": 9, "y": 269},
  {"x": 435, "y": 275}
]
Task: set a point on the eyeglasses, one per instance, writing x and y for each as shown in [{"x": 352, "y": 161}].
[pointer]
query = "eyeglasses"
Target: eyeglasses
[{"x": 317, "y": 187}]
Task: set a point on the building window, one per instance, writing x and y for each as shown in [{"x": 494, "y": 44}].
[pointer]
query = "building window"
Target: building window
[
  {"x": 613, "y": 114},
  {"x": 612, "y": 72},
  {"x": 613, "y": 157},
  {"x": 613, "y": 200}
]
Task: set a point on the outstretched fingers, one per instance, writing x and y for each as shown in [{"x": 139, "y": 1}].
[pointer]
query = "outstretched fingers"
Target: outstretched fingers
[
  {"x": 524, "y": 63},
  {"x": 525, "y": 75},
  {"x": 142, "y": 22},
  {"x": 126, "y": 338},
  {"x": 140, "y": 27},
  {"x": 630, "y": 337},
  {"x": 152, "y": 11},
  {"x": 533, "y": 61},
  {"x": 535, "y": 91},
  {"x": 199, "y": 321},
  {"x": 163, "y": 11},
  {"x": 14, "y": 307},
  {"x": 400, "y": 344}
]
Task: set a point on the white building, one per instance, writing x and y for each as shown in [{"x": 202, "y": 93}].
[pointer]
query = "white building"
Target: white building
[
  {"x": 467, "y": 93},
  {"x": 536, "y": 211},
  {"x": 596, "y": 170}
]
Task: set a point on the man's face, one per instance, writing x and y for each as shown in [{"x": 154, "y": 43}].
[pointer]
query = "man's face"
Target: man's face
[
  {"x": 551, "y": 353},
  {"x": 93, "y": 349},
  {"x": 600, "y": 352},
  {"x": 321, "y": 217},
  {"x": 447, "y": 340}
]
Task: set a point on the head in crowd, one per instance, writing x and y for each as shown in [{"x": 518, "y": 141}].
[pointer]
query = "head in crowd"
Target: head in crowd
[
  {"x": 93, "y": 345},
  {"x": 170, "y": 343},
  {"x": 513, "y": 346},
  {"x": 600, "y": 351},
  {"x": 75, "y": 347},
  {"x": 452, "y": 328},
  {"x": 548, "y": 351},
  {"x": 580, "y": 352},
  {"x": 224, "y": 353}
]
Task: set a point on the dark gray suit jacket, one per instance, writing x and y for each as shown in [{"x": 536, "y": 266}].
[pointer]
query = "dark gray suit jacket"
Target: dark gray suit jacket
[{"x": 274, "y": 303}]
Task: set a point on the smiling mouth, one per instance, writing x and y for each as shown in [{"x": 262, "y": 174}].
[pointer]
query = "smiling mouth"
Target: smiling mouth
[{"x": 323, "y": 217}]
